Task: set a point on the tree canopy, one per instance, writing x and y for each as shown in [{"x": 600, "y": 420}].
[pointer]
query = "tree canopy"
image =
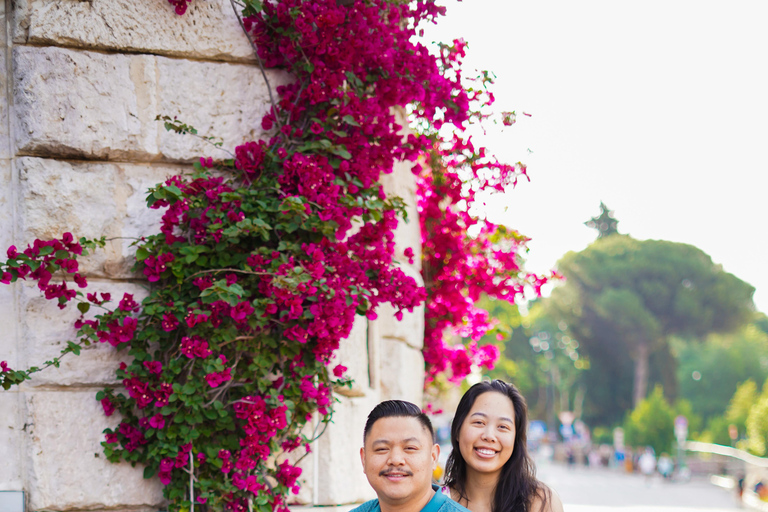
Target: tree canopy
[
  {"x": 605, "y": 223},
  {"x": 624, "y": 298},
  {"x": 709, "y": 373}
]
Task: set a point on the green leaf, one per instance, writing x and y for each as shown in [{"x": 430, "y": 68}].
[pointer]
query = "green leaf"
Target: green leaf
[
  {"x": 141, "y": 254},
  {"x": 74, "y": 347},
  {"x": 341, "y": 151},
  {"x": 174, "y": 190},
  {"x": 350, "y": 120},
  {"x": 83, "y": 307}
]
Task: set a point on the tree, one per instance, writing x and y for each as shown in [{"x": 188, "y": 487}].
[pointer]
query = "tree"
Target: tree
[
  {"x": 743, "y": 399},
  {"x": 630, "y": 296},
  {"x": 709, "y": 373},
  {"x": 538, "y": 357},
  {"x": 757, "y": 423},
  {"x": 605, "y": 223},
  {"x": 651, "y": 423}
]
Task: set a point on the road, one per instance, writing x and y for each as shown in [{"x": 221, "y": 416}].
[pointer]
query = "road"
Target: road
[{"x": 602, "y": 490}]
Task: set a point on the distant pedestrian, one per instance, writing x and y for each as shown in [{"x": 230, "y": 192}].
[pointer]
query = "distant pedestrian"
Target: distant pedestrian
[
  {"x": 647, "y": 463},
  {"x": 594, "y": 459},
  {"x": 665, "y": 466}
]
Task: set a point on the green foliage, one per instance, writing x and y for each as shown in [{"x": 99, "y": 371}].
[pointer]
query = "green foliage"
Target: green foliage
[
  {"x": 757, "y": 426},
  {"x": 743, "y": 399},
  {"x": 624, "y": 298},
  {"x": 602, "y": 435},
  {"x": 651, "y": 423},
  {"x": 538, "y": 352},
  {"x": 715, "y": 432},
  {"x": 710, "y": 372},
  {"x": 605, "y": 223}
]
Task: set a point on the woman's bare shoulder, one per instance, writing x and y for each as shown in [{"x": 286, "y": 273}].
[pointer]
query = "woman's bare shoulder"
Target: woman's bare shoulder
[{"x": 552, "y": 503}]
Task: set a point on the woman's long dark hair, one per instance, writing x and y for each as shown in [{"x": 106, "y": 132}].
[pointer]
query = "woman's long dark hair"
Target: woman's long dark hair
[{"x": 517, "y": 486}]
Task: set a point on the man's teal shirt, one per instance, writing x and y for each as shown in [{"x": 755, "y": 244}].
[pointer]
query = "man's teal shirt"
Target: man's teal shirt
[{"x": 439, "y": 503}]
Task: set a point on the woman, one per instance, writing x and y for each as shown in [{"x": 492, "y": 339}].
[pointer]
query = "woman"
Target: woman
[{"x": 489, "y": 469}]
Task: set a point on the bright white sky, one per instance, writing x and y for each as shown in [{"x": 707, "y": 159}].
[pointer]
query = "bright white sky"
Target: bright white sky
[{"x": 657, "y": 108}]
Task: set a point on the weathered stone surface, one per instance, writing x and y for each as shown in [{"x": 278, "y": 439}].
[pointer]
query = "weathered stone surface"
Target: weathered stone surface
[
  {"x": 226, "y": 101},
  {"x": 11, "y": 441},
  {"x": 402, "y": 183},
  {"x": 209, "y": 30},
  {"x": 340, "y": 474},
  {"x": 5, "y": 148},
  {"x": 353, "y": 353},
  {"x": 402, "y": 368},
  {"x": 60, "y": 197},
  {"x": 8, "y": 316},
  {"x": 111, "y": 114},
  {"x": 84, "y": 104},
  {"x": 46, "y": 329},
  {"x": 411, "y": 328},
  {"x": 7, "y": 202},
  {"x": 66, "y": 468}
]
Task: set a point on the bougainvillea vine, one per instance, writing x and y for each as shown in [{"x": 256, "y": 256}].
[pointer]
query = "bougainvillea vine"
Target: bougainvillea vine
[
  {"x": 263, "y": 260},
  {"x": 465, "y": 255}
]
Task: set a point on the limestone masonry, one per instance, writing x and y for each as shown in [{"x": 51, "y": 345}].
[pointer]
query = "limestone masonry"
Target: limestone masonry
[{"x": 82, "y": 83}]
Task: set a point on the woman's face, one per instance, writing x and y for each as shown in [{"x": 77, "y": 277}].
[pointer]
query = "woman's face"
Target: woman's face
[{"x": 487, "y": 435}]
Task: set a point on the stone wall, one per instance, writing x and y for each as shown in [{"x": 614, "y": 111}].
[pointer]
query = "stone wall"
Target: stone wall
[{"x": 81, "y": 85}]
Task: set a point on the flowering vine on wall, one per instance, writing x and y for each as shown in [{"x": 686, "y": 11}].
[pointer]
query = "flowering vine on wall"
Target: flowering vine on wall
[{"x": 257, "y": 272}]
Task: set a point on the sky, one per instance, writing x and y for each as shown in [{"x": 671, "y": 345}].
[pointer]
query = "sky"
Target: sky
[{"x": 657, "y": 108}]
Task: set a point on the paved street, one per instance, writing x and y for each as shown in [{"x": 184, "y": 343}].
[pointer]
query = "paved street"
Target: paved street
[{"x": 601, "y": 490}]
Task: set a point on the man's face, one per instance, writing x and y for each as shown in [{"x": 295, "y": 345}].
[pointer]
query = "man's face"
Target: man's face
[{"x": 398, "y": 459}]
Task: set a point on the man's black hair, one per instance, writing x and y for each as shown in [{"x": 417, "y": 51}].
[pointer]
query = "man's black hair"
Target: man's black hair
[{"x": 397, "y": 409}]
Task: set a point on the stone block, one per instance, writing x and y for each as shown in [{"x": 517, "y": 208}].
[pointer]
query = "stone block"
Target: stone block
[
  {"x": 340, "y": 477},
  {"x": 5, "y": 149},
  {"x": 208, "y": 31},
  {"x": 84, "y": 104},
  {"x": 65, "y": 466},
  {"x": 59, "y": 197},
  {"x": 11, "y": 441},
  {"x": 402, "y": 371},
  {"x": 46, "y": 329},
  {"x": 353, "y": 353},
  {"x": 411, "y": 328},
  {"x": 88, "y": 105},
  {"x": 7, "y": 203},
  {"x": 402, "y": 183},
  {"x": 8, "y": 316},
  {"x": 226, "y": 101}
]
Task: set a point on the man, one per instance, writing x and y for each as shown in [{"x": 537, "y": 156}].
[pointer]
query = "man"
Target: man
[{"x": 399, "y": 455}]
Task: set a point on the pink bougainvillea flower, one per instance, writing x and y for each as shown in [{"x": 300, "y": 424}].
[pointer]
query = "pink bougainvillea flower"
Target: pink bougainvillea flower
[
  {"x": 108, "y": 407},
  {"x": 339, "y": 370},
  {"x": 157, "y": 421},
  {"x": 155, "y": 367}
]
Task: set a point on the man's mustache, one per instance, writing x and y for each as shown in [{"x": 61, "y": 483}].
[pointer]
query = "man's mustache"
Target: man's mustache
[{"x": 387, "y": 472}]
